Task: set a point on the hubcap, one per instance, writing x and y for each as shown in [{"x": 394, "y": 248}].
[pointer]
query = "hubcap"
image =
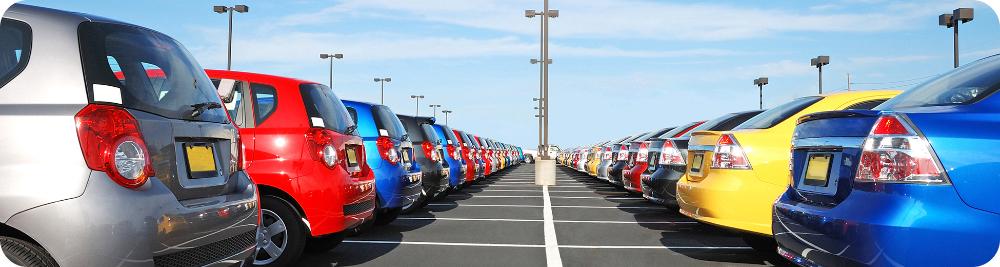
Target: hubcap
[{"x": 272, "y": 238}]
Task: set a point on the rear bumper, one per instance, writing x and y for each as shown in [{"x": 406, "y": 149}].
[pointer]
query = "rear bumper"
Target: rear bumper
[
  {"x": 729, "y": 198},
  {"x": 109, "y": 225},
  {"x": 632, "y": 178},
  {"x": 661, "y": 186},
  {"x": 392, "y": 183},
  {"x": 908, "y": 225}
]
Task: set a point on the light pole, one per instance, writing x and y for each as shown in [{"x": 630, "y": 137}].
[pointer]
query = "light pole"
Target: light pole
[
  {"x": 331, "y": 57},
  {"x": 230, "y": 9},
  {"x": 383, "y": 81},
  {"x": 819, "y": 62},
  {"x": 446, "y": 112},
  {"x": 761, "y": 82},
  {"x": 417, "y": 97},
  {"x": 539, "y": 116},
  {"x": 957, "y": 16},
  {"x": 435, "y": 112},
  {"x": 545, "y": 14}
]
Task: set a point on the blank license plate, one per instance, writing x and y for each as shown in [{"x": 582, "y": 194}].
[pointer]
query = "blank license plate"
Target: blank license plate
[
  {"x": 697, "y": 161},
  {"x": 200, "y": 160},
  {"x": 818, "y": 169}
]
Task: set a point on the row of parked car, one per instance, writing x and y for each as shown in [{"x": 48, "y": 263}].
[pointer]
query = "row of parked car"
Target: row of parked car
[
  {"x": 857, "y": 178},
  {"x": 120, "y": 150}
]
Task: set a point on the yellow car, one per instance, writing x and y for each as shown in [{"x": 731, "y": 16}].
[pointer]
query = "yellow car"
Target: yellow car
[
  {"x": 735, "y": 176},
  {"x": 593, "y": 159}
]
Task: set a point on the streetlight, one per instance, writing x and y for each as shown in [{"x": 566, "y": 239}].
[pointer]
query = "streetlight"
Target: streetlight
[
  {"x": 544, "y": 72},
  {"x": 435, "y": 113},
  {"x": 819, "y": 62},
  {"x": 760, "y": 82},
  {"x": 383, "y": 81},
  {"x": 331, "y": 57},
  {"x": 446, "y": 116},
  {"x": 417, "y": 97},
  {"x": 228, "y": 9},
  {"x": 958, "y": 15},
  {"x": 539, "y": 108}
]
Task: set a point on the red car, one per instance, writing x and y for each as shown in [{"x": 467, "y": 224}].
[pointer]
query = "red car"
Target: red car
[
  {"x": 303, "y": 152},
  {"x": 632, "y": 178},
  {"x": 467, "y": 156},
  {"x": 485, "y": 153}
]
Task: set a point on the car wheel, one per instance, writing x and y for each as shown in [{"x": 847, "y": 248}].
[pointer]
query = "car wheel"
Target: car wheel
[
  {"x": 324, "y": 244},
  {"x": 281, "y": 237},
  {"x": 24, "y": 253},
  {"x": 387, "y": 216}
]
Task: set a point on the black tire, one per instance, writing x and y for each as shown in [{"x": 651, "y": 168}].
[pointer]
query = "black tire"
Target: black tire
[
  {"x": 324, "y": 244},
  {"x": 24, "y": 253},
  {"x": 295, "y": 232},
  {"x": 387, "y": 216}
]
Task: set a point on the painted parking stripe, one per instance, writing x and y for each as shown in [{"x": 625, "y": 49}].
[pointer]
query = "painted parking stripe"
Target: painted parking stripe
[
  {"x": 536, "y": 220},
  {"x": 552, "y": 257},
  {"x": 608, "y": 198},
  {"x": 442, "y": 243},
  {"x": 537, "y": 206},
  {"x": 655, "y": 247}
]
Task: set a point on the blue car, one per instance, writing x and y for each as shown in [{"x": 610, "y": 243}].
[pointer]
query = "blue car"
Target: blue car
[
  {"x": 389, "y": 153},
  {"x": 912, "y": 183},
  {"x": 453, "y": 154}
]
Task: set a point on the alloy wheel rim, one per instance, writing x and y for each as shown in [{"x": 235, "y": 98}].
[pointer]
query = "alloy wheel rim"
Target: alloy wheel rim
[{"x": 272, "y": 238}]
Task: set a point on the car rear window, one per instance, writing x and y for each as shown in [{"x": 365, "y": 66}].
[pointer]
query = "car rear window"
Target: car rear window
[
  {"x": 724, "y": 123},
  {"x": 15, "y": 47},
  {"x": 961, "y": 86},
  {"x": 386, "y": 120},
  {"x": 145, "y": 70},
  {"x": 450, "y": 134},
  {"x": 679, "y": 130},
  {"x": 429, "y": 134},
  {"x": 321, "y": 103},
  {"x": 772, "y": 117},
  {"x": 265, "y": 101}
]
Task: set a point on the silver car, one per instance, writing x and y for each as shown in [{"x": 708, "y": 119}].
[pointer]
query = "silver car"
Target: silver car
[{"x": 114, "y": 150}]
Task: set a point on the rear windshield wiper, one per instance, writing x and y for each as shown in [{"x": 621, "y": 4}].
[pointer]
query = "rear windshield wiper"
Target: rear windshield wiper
[
  {"x": 351, "y": 129},
  {"x": 202, "y": 107}
]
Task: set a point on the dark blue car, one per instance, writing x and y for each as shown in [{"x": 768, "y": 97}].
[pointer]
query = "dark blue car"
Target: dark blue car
[
  {"x": 912, "y": 183},
  {"x": 389, "y": 153},
  {"x": 453, "y": 155}
]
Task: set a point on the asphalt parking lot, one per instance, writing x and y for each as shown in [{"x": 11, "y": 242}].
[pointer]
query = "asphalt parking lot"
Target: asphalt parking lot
[{"x": 502, "y": 222}]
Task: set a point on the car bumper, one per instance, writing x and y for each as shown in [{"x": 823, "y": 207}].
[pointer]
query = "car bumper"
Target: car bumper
[
  {"x": 632, "y": 178},
  {"x": 893, "y": 225},
  {"x": 109, "y": 225},
  {"x": 733, "y": 199},
  {"x": 661, "y": 186}
]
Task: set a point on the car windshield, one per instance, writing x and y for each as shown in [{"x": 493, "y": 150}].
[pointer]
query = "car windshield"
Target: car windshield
[
  {"x": 772, "y": 117},
  {"x": 145, "y": 70},
  {"x": 321, "y": 103},
  {"x": 386, "y": 120},
  {"x": 961, "y": 86}
]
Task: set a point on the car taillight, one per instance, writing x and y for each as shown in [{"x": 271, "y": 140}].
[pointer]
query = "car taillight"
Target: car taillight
[
  {"x": 670, "y": 155},
  {"x": 893, "y": 152},
  {"x": 451, "y": 151},
  {"x": 323, "y": 148},
  {"x": 387, "y": 150},
  {"x": 623, "y": 153},
  {"x": 112, "y": 143},
  {"x": 429, "y": 151},
  {"x": 729, "y": 154},
  {"x": 643, "y": 152},
  {"x": 241, "y": 161}
]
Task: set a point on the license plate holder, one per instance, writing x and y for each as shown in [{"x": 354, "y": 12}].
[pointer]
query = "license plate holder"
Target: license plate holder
[
  {"x": 200, "y": 158},
  {"x": 817, "y": 172},
  {"x": 697, "y": 163}
]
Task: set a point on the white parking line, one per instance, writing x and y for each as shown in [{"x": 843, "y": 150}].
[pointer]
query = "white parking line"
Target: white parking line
[
  {"x": 467, "y": 219},
  {"x": 552, "y": 257},
  {"x": 536, "y": 220},
  {"x": 536, "y": 206},
  {"x": 652, "y": 247},
  {"x": 510, "y": 190},
  {"x": 443, "y": 244},
  {"x": 610, "y": 198},
  {"x": 475, "y": 196}
]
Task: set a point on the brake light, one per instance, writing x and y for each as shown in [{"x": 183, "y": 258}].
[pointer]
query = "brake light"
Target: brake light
[
  {"x": 623, "y": 153},
  {"x": 451, "y": 151},
  {"x": 729, "y": 154},
  {"x": 323, "y": 148},
  {"x": 387, "y": 150},
  {"x": 429, "y": 151},
  {"x": 643, "y": 152},
  {"x": 112, "y": 143},
  {"x": 895, "y": 153},
  {"x": 670, "y": 155}
]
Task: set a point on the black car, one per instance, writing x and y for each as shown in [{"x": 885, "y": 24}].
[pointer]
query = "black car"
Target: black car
[
  {"x": 427, "y": 157},
  {"x": 667, "y": 157},
  {"x": 626, "y": 155}
]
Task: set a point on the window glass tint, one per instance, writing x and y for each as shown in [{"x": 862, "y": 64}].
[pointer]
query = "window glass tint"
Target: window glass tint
[
  {"x": 429, "y": 134},
  {"x": 322, "y": 103},
  {"x": 772, "y": 117},
  {"x": 354, "y": 114},
  {"x": 961, "y": 86},
  {"x": 867, "y": 105},
  {"x": 734, "y": 121},
  {"x": 15, "y": 45},
  {"x": 675, "y": 131},
  {"x": 450, "y": 134},
  {"x": 386, "y": 120},
  {"x": 265, "y": 101},
  {"x": 470, "y": 141},
  {"x": 153, "y": 72}
]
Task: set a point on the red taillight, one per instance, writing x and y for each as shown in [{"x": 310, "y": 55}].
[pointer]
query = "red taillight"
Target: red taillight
[
  {"x": 729, "y": 154},
  {"x": 451, "y": 151},
  {"x": 894, "y": 153},
  {"x": 643, "y": 152},
  {"x": 241, "y": 162},
  {"x": 623, "y": 153},
  {"x": 670, "y": 155},
  {"x": 387, "y": 150},
  {"x": 112, "y": 143},
  {"x": 323, "y": 147},
  {"x": 429, "y": 151}
]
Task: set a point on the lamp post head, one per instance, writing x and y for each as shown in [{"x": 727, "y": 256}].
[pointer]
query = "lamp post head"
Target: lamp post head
[
  {"x": 945, "y": 20},
  {"x": 530, "y": 13},
  {"x": 446, "y": 111},
  {"x": 553, "y": 13},
  {"x": 820, "y": 61},
  {"x": 434, "y": 106},
  {"x": 337, "y": 56},
  {"x": 416, "y": 96},
  {"x": 760, "y": 81},
  {"x": 220, "y": 9},
  {"x": 241, "y": 8},
  {"x": 383, "y": 79},
  {"x": 534, "y": 61},
  {"x": 962, "y": 15}
]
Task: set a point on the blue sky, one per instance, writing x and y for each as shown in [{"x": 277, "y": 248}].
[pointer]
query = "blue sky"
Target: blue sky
[{"x": 620, "y": 66}]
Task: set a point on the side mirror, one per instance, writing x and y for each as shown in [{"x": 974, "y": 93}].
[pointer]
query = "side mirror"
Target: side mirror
[{"x": 227, "y": 89}]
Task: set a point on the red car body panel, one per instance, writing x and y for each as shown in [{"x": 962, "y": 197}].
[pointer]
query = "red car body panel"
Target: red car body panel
[
  {"x": 470, "y": 175},
  {"x": 485, "y": 153},
  {"x": 278, "y": 155},
  {"x": 632, "y": 178}
]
